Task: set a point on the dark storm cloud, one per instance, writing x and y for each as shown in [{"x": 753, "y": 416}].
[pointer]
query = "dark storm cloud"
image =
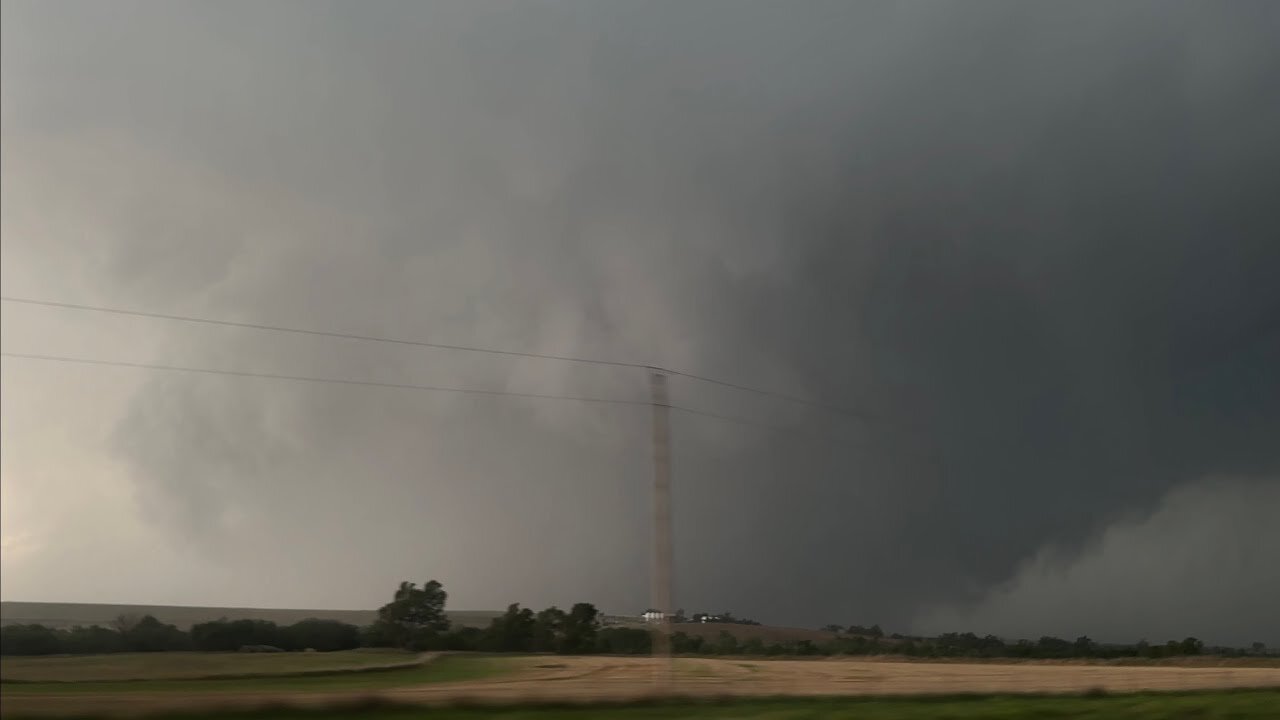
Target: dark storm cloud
[
  {"x": 1224, "y": 536},
  {"x": 1044, "y": 234}
]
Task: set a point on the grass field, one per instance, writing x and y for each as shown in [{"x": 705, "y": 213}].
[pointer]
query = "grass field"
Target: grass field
[
  {"x": 340, "y": 678},
  {"x": 190, "y": 665},
  {"x": 1234, "y": 705}
]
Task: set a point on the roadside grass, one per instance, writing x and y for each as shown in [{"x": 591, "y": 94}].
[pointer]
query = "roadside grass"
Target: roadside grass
[
  {"x": 190, "y": 665},
  {"x": 449, "y": 668},
  {"x": 1217, "y": 705}
]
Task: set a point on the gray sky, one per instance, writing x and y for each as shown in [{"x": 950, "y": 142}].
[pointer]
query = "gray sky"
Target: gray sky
[{"x": 1043, "y": 233}]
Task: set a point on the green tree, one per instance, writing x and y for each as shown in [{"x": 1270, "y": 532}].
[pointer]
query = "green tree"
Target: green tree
[
  {"x": 378, "y": 635},
  {"x": 321, "y": 635},
  {"x": 1085, "y": 647},
  {"x": 684, "y": 644},
  {"x": 623, "y": 640},
  {"x": 806, "y": 647},
  {"x": 225, "y": 635},
  {"x": 513, "y": 631},
  {"x": 726, "y": 643},
  {"x": 549, "y": 630},
  {"x": 151, "y": 635},
  {"x": 580, "y": 628},
  {"x": 92, "y": 640},
  {"x": 29, "y": 640},
  {"x": 1053, "y": 647},
  {"x": 464, "y": 639},
  {"x": 414, "y": 617}
]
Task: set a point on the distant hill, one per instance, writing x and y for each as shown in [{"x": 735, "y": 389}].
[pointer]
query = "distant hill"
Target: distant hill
[{"x": 65, "y": 615}]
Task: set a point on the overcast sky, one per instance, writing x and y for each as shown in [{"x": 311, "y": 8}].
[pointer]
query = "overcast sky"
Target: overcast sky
[{"x": 1037, "y": 243}]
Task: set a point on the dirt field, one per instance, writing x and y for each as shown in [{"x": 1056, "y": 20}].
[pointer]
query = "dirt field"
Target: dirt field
[{"x": 608, "y": 678}]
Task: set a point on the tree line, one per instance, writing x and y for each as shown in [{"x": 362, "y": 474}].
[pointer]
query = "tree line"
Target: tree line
[
  {"x": 415, "y": 620},
  {"x": 949, "y": 645},
  {"x": 953, "y": 645},
  {"x": 147, "y": 634}
]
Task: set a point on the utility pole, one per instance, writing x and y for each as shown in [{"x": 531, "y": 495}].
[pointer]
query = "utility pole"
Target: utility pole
[{"x": 661, "y": 598}]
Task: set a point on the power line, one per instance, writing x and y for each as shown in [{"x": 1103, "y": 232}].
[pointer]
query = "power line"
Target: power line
[
  {"x": 738, "y": 420},
  {"x": 860, "y": 415},
  {"x": 305, "y": 378},
  {"x": 373, "y": 383},
  {"x": 318, "y": 333},
  {"x": 855, "y": 414}
]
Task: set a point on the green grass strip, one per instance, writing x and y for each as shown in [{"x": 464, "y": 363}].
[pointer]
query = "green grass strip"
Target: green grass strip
[
  {"x": 441, "y": 669},
  {"x": 1215, "y": 705}
]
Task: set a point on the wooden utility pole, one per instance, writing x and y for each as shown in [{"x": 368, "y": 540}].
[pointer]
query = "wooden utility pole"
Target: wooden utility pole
[{"x": 661, "y": 599}]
